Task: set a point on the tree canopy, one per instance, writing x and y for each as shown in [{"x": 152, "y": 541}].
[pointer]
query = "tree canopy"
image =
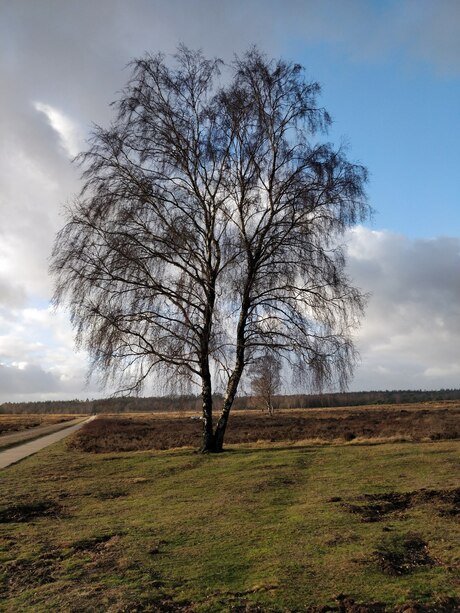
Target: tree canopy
[{"x": 207, "y": 231}]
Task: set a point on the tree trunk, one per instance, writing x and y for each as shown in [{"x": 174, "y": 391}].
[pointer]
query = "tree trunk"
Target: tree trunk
[
  {"x": 220, "y": 432},
  {"x": 207, "y": 445},
  {"x": 235, "y": 377},
  {"x": 270, "y": 404},
  {"x": 228, "y": 401}
]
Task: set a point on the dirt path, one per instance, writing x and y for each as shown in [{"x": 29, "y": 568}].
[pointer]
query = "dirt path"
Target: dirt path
[
  {"x": 14, "y": 438},
  {"x": 15, "y": 454}
]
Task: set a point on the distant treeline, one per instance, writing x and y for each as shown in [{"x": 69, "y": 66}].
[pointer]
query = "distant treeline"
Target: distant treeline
[{"x": 193, "y": 403}]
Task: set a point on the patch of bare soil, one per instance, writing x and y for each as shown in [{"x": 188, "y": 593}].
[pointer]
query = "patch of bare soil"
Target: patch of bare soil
[
  {"x": 164, "y": 605},
  {"x": 443, "y": 605},
  {"x": 346, "y": 604},
  {"x": 449, "y": 500},
  {"x": 402, "y": 554},
  {"x": 378, "y": 506},
  {"x": 29, "y": 511}
]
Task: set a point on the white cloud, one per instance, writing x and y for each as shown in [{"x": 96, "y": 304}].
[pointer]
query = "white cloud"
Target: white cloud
[
  {"x": 69, "y": 135},
  {"x": 38, "y": 357},
  {"x": 451, "y": 370}
]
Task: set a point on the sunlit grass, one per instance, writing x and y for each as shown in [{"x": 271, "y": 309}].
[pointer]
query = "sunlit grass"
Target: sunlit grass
[{"x": 254, "y": 525}]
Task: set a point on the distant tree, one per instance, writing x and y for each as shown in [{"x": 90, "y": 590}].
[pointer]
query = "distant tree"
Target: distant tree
[
  {"x": 207, "y": 231},
  {"x": 266, "y": 379}
]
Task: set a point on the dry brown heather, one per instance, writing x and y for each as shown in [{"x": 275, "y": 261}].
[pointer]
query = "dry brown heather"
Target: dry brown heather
[
  {"x": 17, "y": 423},
  {"x": 131, "y": 432}
]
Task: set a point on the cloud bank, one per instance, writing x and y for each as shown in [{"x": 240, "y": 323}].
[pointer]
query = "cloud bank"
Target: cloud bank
[
  {"x": 410, "y": 336},
  {"x": 61, "y": 64}
]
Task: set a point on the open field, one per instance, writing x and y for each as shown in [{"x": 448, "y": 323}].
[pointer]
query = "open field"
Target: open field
[
  {"x": 18, "y": 423},
  {"x": 410, "y": 422},
  {"x": 258, "y": 528}
]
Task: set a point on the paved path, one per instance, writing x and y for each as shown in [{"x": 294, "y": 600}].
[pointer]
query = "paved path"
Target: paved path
[
  {"x": 15, "y": 454},
  {"x": 14, "y": 438}
]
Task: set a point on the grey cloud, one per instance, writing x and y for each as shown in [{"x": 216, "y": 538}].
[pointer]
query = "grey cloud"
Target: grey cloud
[
  {"x": 36, "y": 177},
  {"x": 68, "y": 51},
  {"x": 12, "y": 295},
  {"x": 409, "y": 339},
  {"x": 410, "y": 336},
  {"x": 433, "y": 32},
  {"x": 32, "y": 382},
  {"x": 28, "y": 380}
]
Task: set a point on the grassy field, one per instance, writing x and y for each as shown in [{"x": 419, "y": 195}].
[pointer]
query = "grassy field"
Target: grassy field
[{"x": 258, "y": 528}]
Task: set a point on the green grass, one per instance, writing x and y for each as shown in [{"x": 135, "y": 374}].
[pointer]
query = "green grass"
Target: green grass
[{"x": 148, "y": 531}]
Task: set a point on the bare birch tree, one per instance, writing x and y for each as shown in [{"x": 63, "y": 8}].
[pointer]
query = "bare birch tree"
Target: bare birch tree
[
  {"x": 266, "y": 379},
  {"x": 207, "y": 231}
]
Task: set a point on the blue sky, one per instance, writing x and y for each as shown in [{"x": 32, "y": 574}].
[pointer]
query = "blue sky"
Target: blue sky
[
  {"x": 401, "y": 120},
  {"x": 390, "y": 76}
]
